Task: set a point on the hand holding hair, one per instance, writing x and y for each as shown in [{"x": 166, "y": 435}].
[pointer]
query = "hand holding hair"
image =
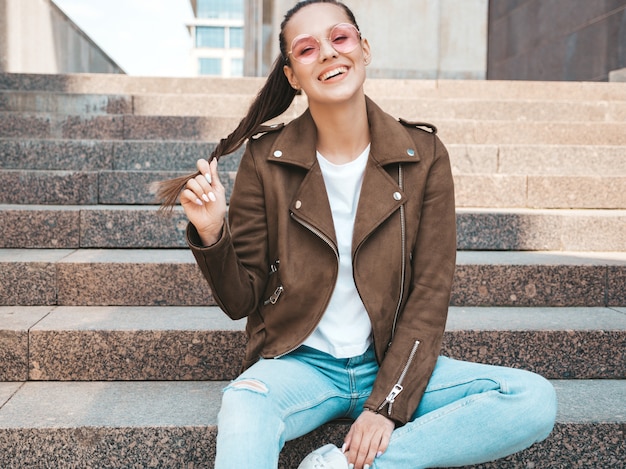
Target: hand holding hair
[{"x": 204, "y": 201}]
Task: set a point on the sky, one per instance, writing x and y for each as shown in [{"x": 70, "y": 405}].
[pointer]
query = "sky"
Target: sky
[{"x": 144, "y": 37}]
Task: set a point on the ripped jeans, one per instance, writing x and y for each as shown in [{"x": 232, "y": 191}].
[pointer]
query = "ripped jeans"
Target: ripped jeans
[{"x": 470, "y": 413}]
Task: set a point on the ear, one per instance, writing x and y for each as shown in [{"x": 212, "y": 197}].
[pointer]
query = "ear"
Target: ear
[
  {"x": 367, "y": 51},
  {"x": 291, "y": 77}
]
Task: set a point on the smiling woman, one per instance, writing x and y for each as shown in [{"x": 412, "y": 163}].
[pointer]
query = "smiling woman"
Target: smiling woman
[
  {"x": 339, "y": 249},
  {"x": 145, "y": 37}
]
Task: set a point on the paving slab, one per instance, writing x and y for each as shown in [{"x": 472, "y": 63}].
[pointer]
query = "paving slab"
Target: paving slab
[
  {"x": 7, "y": 390},
  {"x": 37, "y": 226},
  {"x": 168, "y": 155},
  {"x": 64, "y": 103},
  {"x": 136, "y": 343},
  {"x": 29, "y": 276},
  {"x": 562, "y": 160},
  {"x": 48, "y": 187},
  {"x": 603, "y": 192},
  {"x": 49, "y": 125},
  {"x": 56, "y": 154},
  {"x": 507, "y": 278},
  {"x": 138, "y": 187},
  {"x": 15, "y": 324},
  {"x": 131, "y": 277},
  {"x": 541, "y": 229},
  {"x": 572, "y": 343}
]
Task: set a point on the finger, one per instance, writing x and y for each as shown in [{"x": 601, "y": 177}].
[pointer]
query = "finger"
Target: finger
[
  {"x": 215, "y": 176},
  {"x": 204, "y": 169},
  {"x": 188, "y": 196},
  {"x": 199, "y": 187}
]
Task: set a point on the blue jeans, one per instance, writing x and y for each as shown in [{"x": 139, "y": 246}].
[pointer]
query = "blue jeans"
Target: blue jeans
[{"x": 470, "y": 413}]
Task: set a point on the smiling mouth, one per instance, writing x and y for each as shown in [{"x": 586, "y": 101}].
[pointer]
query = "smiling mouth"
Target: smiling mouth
[{"x": 333, "y": 73}]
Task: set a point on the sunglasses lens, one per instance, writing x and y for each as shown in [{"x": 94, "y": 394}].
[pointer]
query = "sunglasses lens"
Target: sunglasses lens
[
  {"x": 344, "y": 38},
  {"x": 305, "y": 49}
]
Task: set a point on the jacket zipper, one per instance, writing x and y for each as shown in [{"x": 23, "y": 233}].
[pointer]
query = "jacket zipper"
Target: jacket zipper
[
  {"x": 397, "y": 388},
  {"x": 324, "y": 238},
  {"x": 318, "y": 233},
  {"x": 274, "y": 298},
  {"x": 403, "y": 248}
]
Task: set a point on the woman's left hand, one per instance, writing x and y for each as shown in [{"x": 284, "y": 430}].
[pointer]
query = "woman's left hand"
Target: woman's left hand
[{"x": 368, "y": 438}]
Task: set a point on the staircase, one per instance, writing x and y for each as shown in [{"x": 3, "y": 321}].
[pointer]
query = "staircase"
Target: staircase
[{"x": 112, "y": 351}]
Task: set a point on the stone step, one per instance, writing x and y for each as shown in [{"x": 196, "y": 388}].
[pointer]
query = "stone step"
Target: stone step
[
  {"x": 198, "y": 343},
  {"x": 123, "y": 226},
  {"x": 213, "y": 128},
  {"x": 120, "y": 155},
  {"x": 421, "y": 109},
  {"x": 236, "y": 105},
  {"x": 170, "y": 277},
  {"x": 173, "y": 424},
  {"x": 129, "y": 187},
  {"x": 477, "y": 89},
  {"x": 65, "y": 103},
  {"x": 114, "y": 127}
]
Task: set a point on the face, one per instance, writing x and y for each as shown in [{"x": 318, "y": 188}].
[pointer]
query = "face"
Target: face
[{"x": 331, "y": 75}]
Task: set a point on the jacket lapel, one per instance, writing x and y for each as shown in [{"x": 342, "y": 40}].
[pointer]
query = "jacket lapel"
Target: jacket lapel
[{"x": 381, "y": 195}]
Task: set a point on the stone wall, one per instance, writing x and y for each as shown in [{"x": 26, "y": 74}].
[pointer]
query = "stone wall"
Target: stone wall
[
  {"x": 37, "y": 37},
  {"x": 567, "y": 40}
]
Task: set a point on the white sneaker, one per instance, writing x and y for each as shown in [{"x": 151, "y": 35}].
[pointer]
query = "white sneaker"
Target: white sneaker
[{"x": 326, "y": 457}]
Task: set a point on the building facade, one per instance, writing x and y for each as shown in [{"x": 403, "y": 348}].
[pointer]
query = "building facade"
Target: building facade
[
  {"x": 425, "y": 39},
  {"x": 556, "y": 40},
  {"x": 217, "y": 32}
]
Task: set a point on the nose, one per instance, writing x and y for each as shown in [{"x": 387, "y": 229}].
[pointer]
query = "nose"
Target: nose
[{"x": 326, "y": 50}]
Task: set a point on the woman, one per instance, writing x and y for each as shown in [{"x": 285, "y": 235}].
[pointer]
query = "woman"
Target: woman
[{"x": 340, "y": 251}]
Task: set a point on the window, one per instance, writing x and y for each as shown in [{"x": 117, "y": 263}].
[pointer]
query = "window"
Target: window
[
  {"x": 210, "y": 36},
  {"x": 236, "y": 68},
  {"x": 236, "y": 38},
  {"x": 210, "y": 66},
  {"x": 221, "y": 9}
]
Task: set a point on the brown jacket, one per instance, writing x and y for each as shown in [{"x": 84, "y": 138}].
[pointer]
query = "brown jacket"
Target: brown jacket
[{"x": 276, "y": 262}]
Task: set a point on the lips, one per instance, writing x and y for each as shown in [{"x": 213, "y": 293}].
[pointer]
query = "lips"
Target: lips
[{"x": 333, "y": 73}]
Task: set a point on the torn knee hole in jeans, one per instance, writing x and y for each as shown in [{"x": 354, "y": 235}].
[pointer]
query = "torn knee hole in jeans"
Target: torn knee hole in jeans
[{"x": 250, "y": 385}]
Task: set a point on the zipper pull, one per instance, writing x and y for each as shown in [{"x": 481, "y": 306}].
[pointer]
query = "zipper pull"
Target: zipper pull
[
  {"x": 391, "y": 397},
  {"x": 274, "y": 298}
]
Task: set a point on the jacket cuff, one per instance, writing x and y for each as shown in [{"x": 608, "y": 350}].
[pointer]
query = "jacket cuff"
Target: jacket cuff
[{"x": 194, "y": 241}]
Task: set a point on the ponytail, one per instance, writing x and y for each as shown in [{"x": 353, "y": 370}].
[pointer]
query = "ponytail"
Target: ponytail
[{"x": 272, "y": 100}]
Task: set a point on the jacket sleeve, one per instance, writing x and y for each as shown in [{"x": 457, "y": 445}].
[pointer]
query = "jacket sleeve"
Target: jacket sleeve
[
  {"x": 236, "y": 266},
  {"x": 416, "y": 344}
]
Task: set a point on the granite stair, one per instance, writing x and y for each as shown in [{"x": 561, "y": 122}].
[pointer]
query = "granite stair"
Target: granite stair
[{"x": 112, "y": 350}]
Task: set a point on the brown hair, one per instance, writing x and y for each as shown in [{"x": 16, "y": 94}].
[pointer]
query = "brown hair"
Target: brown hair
[{"x": 272, "y": 100}]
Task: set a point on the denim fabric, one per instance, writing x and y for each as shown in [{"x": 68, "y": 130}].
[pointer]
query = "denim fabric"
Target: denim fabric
[{"x": 470, "y": 413}]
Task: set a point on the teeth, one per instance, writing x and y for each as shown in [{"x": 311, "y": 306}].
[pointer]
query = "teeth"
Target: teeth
[{"x": 332, "y": 73}]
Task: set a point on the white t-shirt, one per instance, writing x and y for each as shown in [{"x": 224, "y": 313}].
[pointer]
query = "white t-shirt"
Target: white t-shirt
[{"x": 345, "y": 329}]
